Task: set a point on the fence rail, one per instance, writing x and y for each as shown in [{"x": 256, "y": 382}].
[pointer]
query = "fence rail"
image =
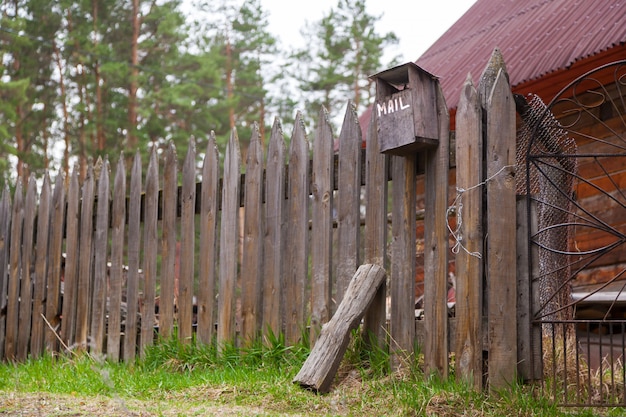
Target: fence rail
[{"x": 102, "y": 265}]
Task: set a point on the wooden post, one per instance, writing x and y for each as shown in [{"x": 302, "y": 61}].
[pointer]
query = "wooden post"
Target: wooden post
[
  {"x": 273, "y": 308},
  {"x": 208, "y": 242},
  {"x": 321, "y": 225},
  {"x": 149, "y": 253},
  {"x": 116, "y": 277},
  {"x": 85, "y": 250},
  {"x": 41, "y": 265},
  {"x": 12, "y": 319},
  {"x": 501, "y": 244},
  {"x": 132, "y": 280},
  {"x": 53, "y": 302},
  {"x": 469, "y": 263},
  {"x": 26, "y": 280},
  {"x": 187, "y": 244},
  {"x": 376, "y": 230},
  {"x": 5, "y": 221},
  {"x": 169, "y": 271},
  {"x": 402, "y": 325},
  {"x": 100, "y": 278},
  {"x": 319, "y": 369},
  {"x": 252, "y": 259},
  {"x": 296, "y": 234},
  {"x": 348, "y": 200},
  {"x": 229, "y": 244},
  {"x": 436, "y": 246}
]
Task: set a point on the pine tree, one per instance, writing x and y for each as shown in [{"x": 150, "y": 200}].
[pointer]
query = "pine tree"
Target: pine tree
[{"x": 343, "y": 49}]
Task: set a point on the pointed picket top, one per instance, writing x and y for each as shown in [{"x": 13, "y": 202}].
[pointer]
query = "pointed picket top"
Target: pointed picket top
[
  {"x": 228, "y": 242},
  {"x": 120, "y": 170},
  {"x": 299, "y": 141},
  {"x": 132, "y": 285},
  {"x": 488, "y": 77},
  {"x": 212, "y": 152},
  {"x": 321, "y": 223},
  {"x": 233, "y": 151},
  {"x": 209, "y": 207},
  {"x": 274, "y": 209},
  {"x": 276, "y": 147},
  {"x": 350, "y": 124},
  {"x": 190, "y": 156},
  {"x": 348, "y": 204}
]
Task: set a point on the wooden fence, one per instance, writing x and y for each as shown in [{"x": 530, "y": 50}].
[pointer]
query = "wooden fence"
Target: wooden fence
[{"x": 95, "y": 265}]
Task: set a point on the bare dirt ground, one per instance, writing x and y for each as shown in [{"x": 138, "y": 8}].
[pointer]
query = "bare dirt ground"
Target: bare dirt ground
[{"x": 45, "y": 404}]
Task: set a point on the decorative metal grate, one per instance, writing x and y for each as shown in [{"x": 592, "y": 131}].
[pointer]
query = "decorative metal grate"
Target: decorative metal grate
[{"x": 574, "y": 151}]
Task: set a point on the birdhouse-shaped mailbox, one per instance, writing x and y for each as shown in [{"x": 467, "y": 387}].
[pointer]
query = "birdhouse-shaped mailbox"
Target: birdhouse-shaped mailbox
[{"x": 406, "y": 108}]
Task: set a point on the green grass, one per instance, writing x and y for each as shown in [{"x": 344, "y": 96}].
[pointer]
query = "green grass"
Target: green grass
[{"x": 181, "y": 379}]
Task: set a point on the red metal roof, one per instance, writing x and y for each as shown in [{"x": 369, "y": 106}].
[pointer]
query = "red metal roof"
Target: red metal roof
[{"x": 536, "y": 37}]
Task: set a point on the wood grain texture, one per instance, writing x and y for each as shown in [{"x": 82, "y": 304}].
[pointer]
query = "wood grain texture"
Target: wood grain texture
[
  {"x": 273, "y": 303},
  {"x": 348, "y": 200},
  {"x": 436, "y": 246},
  {"x": 85, "y": 260},
  {"x": 187, "y": 245},
  {"x": 252, "y": 257},
  {"x": 134, "y": 241},
  {"x": 320, "y": 368},
  {"x": 26, "y": 284},
  {"x": 501, "y": 243},
  {"x": 229, "y": 244},
  {"x": 116, "y": 272},
  {"x": 321, "y": 225},
  {"x": 149, "y": 254},
  {"x": 41, "y": 265},
  {"x": 169, "y": 271},
  {"x": 296, "y": 234},
  {"x": 469, "y": 259},
  {"x": 207, "y": 271},
  {"x": 101, "y": 276},
  {"x": 376, "y": 231}
]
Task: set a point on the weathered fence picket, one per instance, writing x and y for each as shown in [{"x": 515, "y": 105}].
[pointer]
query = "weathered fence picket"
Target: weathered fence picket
[
  {"x": 116, "y": 273},
  {"x": 252, "y": 259},
  {"x": 169, "y": 237},
  {"x": 39, "y": 285},
  {"x": 469, "y": 216},
  {"x": 436, "y": 245},
  {"x": 26, "y": 284},
  {"x": 132, "y": 279},
  {"x": 348, "y": 201},
  {"x": 100, "y": 291},
  {"x": 209, "y": 207},
  {"x": 273, "y": 308},
  {"x": 300, "y": 212},
  {"x": 187, "y": 252},
  {"x": 376, "y": 231},
  {"x": 5, "y": 224},
  {"x": 501, "y": 245},
  {"x": 296, "y": 233},
  {"x": 12, "y": 320},
  {"x": 85, "y": 261},
  {"x": 321, "y": 225},
  {"x": 228, "y": 244}
]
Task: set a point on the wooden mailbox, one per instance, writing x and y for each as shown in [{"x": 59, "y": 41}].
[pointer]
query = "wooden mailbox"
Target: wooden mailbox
[{"x": 406, "y": 108}]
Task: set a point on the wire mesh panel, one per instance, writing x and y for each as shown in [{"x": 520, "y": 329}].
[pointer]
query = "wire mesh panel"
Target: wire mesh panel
[{"x": 575, "y": 154}]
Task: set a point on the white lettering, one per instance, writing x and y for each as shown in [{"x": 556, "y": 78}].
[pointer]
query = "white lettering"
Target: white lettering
[
  {"x": 381, "y": 109},
  {"x": 403, "y": 106}
]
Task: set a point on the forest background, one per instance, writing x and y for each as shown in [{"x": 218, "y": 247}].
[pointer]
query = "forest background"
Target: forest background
[{"x": 82, "y": 79}]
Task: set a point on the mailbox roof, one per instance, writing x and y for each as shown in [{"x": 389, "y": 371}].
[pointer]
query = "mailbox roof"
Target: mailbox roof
[{"x": 536, "y": 37}]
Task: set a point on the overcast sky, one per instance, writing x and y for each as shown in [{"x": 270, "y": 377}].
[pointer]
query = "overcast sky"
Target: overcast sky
[{"x": 417, "y": 23}]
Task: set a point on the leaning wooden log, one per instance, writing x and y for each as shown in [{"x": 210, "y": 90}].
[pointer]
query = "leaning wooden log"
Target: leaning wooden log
[{"x": 319, "y": 369}]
